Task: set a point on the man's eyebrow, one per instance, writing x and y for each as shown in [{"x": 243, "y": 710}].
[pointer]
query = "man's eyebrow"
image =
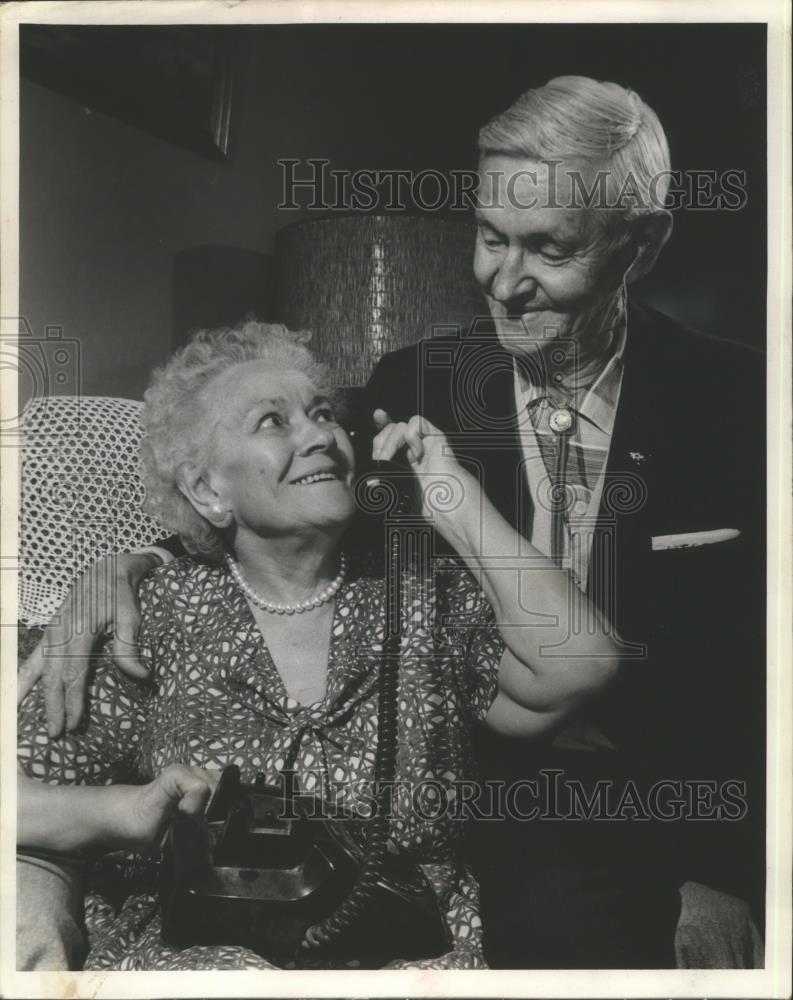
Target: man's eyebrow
[
  {"x": 529, "y": 239},
  {"x": 483, "y": 223},
  {"x": 539, "y": 239}
]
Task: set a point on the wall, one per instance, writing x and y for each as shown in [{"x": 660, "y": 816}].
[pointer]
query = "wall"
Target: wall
[{"x": 105, "y": 206}]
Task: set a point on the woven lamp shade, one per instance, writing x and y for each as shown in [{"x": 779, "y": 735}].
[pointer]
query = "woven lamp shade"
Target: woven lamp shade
[{"x": 367, "y": 285}]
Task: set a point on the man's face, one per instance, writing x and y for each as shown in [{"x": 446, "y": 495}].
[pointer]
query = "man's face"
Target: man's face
[{"x": 549, "y": 273}]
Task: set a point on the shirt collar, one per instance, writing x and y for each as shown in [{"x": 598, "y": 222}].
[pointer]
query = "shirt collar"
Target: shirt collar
[{"x": 598, "y": 402}]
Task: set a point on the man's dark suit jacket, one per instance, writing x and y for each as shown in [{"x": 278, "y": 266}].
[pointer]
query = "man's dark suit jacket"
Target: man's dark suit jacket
[{"x": 687, "y": 455}]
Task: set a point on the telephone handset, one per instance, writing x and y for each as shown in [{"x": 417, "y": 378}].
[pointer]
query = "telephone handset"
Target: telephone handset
[{"x": 383, "y": 489}]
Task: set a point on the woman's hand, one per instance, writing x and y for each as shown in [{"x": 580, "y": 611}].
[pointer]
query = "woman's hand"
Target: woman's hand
[
  {"x": 177, "y": 789},
  {"x": 443, "y": 482},
  {"x": 103, "y": 599},
  {"x": 71, "y": 818}
]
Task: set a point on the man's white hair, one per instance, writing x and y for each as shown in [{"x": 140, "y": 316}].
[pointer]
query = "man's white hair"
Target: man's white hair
[{"x": 577, "y": 118}]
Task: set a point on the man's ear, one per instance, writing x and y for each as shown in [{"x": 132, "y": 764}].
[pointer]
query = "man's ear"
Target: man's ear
[
  {"x": 649, "y": 233},
  {"x": 196, "y": 486}
]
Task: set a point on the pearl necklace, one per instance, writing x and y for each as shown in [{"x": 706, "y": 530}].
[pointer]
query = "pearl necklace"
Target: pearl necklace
[{"x": 288, "y": 609}]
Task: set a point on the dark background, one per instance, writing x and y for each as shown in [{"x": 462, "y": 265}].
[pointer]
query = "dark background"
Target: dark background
[{"x": 105, "y": 205}]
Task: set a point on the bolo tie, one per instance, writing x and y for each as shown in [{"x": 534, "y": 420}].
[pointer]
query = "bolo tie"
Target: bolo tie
[{"x": 555, "y": 450}]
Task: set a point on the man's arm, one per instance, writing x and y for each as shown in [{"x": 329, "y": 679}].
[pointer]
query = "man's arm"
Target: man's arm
[{"x": 103, "y": 599}]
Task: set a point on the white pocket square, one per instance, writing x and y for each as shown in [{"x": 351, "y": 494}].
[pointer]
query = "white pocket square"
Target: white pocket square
[{"x": 691, "y": 539}]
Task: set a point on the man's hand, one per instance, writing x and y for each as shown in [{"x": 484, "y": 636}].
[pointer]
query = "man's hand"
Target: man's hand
[{"x": 103, "y": 600}]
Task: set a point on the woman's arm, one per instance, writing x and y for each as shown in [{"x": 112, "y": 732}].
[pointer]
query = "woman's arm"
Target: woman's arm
[
  {"x": 558, "y": 646},
  {"x": 71, "y": 818}
]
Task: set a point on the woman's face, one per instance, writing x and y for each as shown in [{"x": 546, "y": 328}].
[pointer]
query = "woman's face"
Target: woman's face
[{"x": 280, "y": 462}]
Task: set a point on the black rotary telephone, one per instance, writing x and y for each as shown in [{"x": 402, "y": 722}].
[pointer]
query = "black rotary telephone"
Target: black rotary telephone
[
  {"x": 270, "y": 873},
  {"x": 274, "y": 872}
]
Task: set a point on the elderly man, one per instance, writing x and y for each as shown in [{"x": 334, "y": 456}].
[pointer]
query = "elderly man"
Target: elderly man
[{"x": 631, "y": 451}]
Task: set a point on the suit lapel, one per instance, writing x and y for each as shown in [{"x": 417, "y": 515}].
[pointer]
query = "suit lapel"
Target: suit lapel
[
  {"x": 622, "y": 535},
  {"x": 633, "y": 442},
  {"x": 485, "y": 416}
]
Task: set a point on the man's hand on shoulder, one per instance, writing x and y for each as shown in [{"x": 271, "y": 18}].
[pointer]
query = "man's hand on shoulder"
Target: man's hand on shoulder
[{"x": 102, "y": 601}]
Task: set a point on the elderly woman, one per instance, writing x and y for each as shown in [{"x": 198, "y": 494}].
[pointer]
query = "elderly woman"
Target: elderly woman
[{"x": 257, "y": 642}]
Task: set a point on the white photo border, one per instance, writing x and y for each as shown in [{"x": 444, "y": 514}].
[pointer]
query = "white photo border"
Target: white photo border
[{"x": 773, "y": 981}]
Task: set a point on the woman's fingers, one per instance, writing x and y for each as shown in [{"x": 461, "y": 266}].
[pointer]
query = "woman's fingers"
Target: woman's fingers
[
  {"x": 385, "y": 443},
  {"x": 199, "y": 775},
  {"x": 393, "y": 438},
  {"x": 184, "y": 788},
  {"x": 176, "y": 789},
  {"x": 381, "y": 419},
  {"x": 195, "y": 798},
  {"x": 414, "y": 440},
  {"x": 196, "y": 791}
]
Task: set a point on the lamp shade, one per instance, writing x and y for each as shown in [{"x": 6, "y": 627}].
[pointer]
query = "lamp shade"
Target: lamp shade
[{"x": 366, "y": 285}]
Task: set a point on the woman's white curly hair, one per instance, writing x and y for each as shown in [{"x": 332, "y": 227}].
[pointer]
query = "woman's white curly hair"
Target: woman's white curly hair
[{"x": 177, "y": 432}]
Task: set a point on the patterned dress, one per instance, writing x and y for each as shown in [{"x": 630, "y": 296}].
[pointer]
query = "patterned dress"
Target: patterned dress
[{"x": 216, "y": 698}]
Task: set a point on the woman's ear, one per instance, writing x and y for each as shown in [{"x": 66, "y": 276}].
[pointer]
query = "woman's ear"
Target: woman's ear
[
  {"x": 649, "y": 233},
  {"x": 196, "y": 487}
]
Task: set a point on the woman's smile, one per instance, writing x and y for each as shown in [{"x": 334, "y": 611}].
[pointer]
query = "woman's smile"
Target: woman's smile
[{"x": 327, "y": 476}]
